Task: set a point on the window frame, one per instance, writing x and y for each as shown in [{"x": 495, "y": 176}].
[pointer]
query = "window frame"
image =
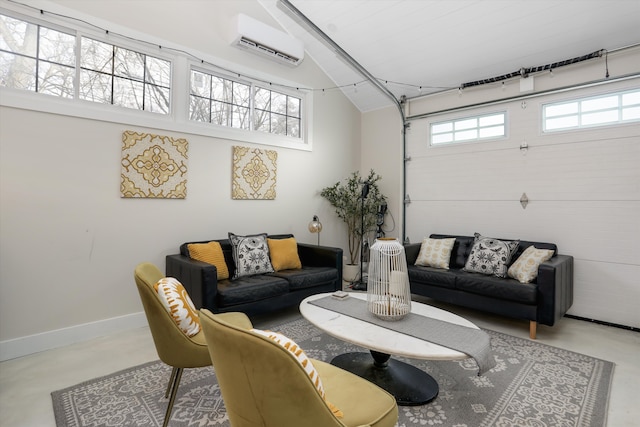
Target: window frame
[
  {"x": 579, "y": 113},
  {"x": 181, "y": 59},
  {"x": 478, "y": 127}
]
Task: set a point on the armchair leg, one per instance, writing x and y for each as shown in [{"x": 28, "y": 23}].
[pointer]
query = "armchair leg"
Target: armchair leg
[
  {"x": 532, "y": 329},
  {"x": 172, "y": 378},
  {"x": 174, "y": 391}
]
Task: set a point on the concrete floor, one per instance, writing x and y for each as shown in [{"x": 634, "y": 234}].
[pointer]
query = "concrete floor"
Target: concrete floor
[{"x": 26, "y": 383}]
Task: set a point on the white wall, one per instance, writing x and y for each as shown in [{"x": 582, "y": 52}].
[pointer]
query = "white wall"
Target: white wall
[
  {"x": 70, "y": 242},
  {"x": 583, "y": 186}
]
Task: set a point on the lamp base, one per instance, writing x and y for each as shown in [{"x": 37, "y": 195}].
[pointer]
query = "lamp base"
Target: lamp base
[{"x": 359, "y": 285}]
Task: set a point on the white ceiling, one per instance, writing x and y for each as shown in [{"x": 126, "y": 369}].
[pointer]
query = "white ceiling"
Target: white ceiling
[{"x": 436, "y": 44}]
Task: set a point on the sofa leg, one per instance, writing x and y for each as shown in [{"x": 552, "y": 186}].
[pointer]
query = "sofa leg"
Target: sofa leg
[{"x": 532, "y": 329}]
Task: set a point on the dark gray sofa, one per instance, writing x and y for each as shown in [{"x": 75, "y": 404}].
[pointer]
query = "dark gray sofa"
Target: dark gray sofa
[
  {"x": 543, "y": 301},
  {"x": 321, "y": 272}
]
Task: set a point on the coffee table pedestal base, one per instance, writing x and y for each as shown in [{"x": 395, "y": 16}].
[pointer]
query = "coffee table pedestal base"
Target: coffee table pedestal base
[{"x": 408, "y": 384}]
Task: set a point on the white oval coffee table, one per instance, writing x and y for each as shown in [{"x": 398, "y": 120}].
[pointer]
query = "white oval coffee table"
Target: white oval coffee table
[{"x": 409, "y": 385}]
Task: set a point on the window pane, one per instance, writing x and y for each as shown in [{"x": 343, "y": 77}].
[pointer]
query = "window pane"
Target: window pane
[
  {"x": 221, "y": 89},
  {"x": 200, "y": 84},
  {"x": 262, "y": 99},
  {"x": 55, "y": 79},
  {"x": 128, "y": 93},
  {"x": 293, "y": 106},
  {"x": 466, "y": 124},
  {"x": 442, "y": 138},
  {"x": 278, "y": 124},
  {"x": 278, "y": 103},
  {"x": 262, "y": 120},
  {"x": 95, "y": 86},
  {"x": 497, "y": 119},
  {"x": 631, "y": 98},
  {"x": 220, "y": 113},
  {"x": 600, "y": 103},
  {"x": 442, "y": 127},
  {"x": 17, "y": 72},
  {"x": 158, "y": 72},
  {"x": 18, "y": 36},
  {"x": 562, "y": 109},
  {"x": 95, "y": 55},
  {"x": 600, "y": 117},
  {"x": 631, "y": 113},
  {"x": 293, "y": 127},
  {"x": 492, "y": 131},
  {"x": 199, "y": 109},
  {"x": 240, "y": 117},
  {"x": 561, "y": 123},
  {"x": 129, "y": 64},
  {"x": 466, "y": 135},
  {"x": 156, "y": 99},
  {"x": 241, "y": 94},
  {"x": 57, "y": 47}
]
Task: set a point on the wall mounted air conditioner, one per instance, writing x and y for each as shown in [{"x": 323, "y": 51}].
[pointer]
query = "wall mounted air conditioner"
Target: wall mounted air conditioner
[{"x": 257, "y": 37}]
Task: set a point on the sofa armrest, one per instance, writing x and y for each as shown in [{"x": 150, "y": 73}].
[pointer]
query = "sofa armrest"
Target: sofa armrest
[
  {"x": 320, "y": 256},
  {"x": 199, "y": 279},
  {"x": 555, "y": 288},
  {"x": 411, "y": 251}
]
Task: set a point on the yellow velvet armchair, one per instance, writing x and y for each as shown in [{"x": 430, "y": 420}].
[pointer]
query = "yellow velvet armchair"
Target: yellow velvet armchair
[
  {"x": 263, "y": 385},
  {"x": 174, "y": 347}
]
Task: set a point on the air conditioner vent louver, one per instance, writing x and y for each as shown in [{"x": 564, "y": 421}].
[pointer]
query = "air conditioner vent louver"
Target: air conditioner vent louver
[{"x": 264, "y": 40}]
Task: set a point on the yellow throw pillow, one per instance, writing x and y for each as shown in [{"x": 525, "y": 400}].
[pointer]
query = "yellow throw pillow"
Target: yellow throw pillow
[
  {"x": 303, "y": 360},
  {"x": 525, "y": 269},
  {"x": 211, "y": 253},
  {"x": 284, "y": 254},
  {"x": 176, "y": 300},
  {"x": 435, "y": 252}
]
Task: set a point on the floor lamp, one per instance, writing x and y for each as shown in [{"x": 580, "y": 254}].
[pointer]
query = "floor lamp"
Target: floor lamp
[
  {"x": 315, "y": 226},
  {"x": 360, "y": 284}
]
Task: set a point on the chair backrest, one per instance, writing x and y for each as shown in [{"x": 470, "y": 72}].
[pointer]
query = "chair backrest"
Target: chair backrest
[
  {"x": 174, "y": 347},
  {"x": 262, "y": 384}
]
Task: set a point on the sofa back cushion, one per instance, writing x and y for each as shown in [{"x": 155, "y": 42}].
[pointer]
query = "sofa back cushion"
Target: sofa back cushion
[
  {"x": 462, "y": 249},
  {"x": 227, "y": 249}
]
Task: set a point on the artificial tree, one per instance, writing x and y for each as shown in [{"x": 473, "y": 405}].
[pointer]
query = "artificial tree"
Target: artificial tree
[{"x": 358, "y": 213}]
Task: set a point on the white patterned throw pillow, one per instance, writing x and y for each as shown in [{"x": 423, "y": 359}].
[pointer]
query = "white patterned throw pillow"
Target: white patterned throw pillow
[
  {"x": 525, "y": 269},
  {"x": 490, "y": 256},
  {"x": 435, "y": 252},
  {"x": 178, "y": 304},
  {"x": 250, "y": 254}
]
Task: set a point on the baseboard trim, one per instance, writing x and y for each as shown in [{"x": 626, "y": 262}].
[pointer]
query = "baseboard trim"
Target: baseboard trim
[
  {"x": 23, "y": 346},
  {"x": 602, "y": 322}
]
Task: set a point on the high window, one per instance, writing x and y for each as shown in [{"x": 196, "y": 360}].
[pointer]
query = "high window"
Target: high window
[
  {"x": 468, "y": 129},
  {"x": 603, "y": 110},
  {"x": 243, "y": 105}
]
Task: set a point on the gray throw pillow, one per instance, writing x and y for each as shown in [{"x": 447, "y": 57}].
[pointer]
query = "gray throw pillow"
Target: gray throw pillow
[
  {"x": 250, "y": 254},
  {"x": 490, "y": 256}
]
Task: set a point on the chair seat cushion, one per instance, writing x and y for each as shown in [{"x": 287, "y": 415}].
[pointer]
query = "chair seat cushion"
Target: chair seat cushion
[
  {"x": 250, "y": 289},
  {"x": 373, "y": 406},
  {"x": 307, "y": 277}
]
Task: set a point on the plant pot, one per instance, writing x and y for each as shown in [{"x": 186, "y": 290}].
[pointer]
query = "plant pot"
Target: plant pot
[{"x": 350, "y": 272}]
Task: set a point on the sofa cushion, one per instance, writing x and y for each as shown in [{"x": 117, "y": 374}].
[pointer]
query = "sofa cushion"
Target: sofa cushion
[
  {"x": 490, "y": 256},
  {"x": 178, "y": 304},
  {"x": 250, "y": 254},
  {"x": 432, "y": 276},
  {"x": 495, "y": 287},
  {"x": 308, "y": 277},
  {"x": 284, "y": 254},
  {"x": 210, "y": 253},
  {"x": 250, "y": 289},
  {"x": 525, "y": 268},
  {"x": 435, "y": 252}
]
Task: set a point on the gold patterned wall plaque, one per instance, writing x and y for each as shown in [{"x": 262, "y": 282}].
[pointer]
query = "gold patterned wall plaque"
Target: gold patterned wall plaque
[
  {"x": 153, "y": 166},
  {"x": 254, "y": 174}
]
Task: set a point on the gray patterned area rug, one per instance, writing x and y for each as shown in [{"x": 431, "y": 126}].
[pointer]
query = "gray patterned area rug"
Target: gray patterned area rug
[{"x": 532, "y": 385}]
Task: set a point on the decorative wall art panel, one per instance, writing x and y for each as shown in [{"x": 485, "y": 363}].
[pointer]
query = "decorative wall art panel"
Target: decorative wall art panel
[
  {"x": 153, "y": 166},
  {"x": 254, "y": 174}
]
